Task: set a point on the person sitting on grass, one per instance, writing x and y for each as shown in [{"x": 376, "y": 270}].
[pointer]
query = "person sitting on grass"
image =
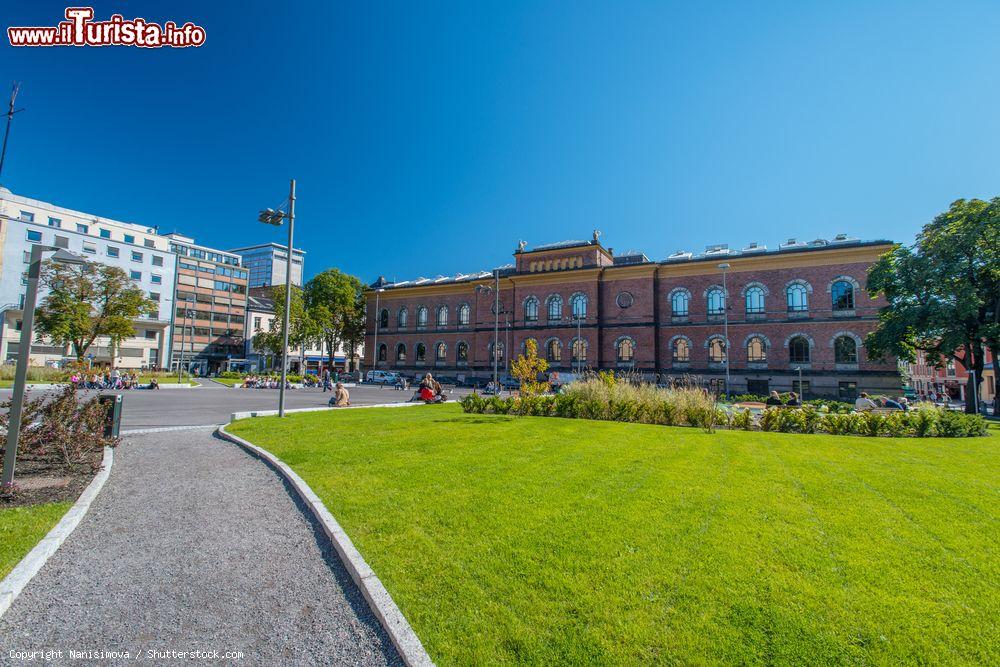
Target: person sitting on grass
[
  {"x": 864, "y": 403},
  {"x": 154, "y": 383},
  {"x": 341, "y": 397},
  {"x": 773, "y": 399},
  {"x": 429, "y": 389}
]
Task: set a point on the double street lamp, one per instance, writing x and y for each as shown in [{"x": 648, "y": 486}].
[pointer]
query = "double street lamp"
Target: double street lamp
[
  {"x": 272, "y": 217},
  {"x": 24, "y": 350},
  {"x": 725, "y": 321}
]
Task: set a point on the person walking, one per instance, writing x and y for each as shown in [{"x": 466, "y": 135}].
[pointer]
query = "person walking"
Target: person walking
[{"x": 327, "y": 383}]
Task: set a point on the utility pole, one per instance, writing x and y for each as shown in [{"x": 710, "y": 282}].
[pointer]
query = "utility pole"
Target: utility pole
[
  {"x": 10, "y": 116},
  {"x": 578, "y": 346}
]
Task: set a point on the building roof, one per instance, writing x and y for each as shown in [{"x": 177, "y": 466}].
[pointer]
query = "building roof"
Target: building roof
[
  {"x": 275, "y": 246},
  {"x": 260, "y": 304},
  {"x": 560, "y": 244}
]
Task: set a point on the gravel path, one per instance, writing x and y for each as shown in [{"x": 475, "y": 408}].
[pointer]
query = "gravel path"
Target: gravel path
[{"x": 195, "y": 545}]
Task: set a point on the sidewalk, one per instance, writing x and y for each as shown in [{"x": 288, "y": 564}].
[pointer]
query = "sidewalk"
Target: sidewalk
[{"x": 195, "y": 545}]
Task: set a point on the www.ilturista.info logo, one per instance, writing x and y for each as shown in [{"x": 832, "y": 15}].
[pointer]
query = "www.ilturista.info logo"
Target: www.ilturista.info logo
[{"x": 79, "y": 29}]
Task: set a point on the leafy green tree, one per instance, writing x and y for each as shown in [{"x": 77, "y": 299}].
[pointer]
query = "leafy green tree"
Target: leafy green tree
[
  {"x": 943, "y": 292},
  {"x": 527, "y": 367},
  {"x": 88, "y": 301},
  {"x": 331, "y": 301},
  {"x": 301, "y": 328},
  {"x": 354, "y": 328}
]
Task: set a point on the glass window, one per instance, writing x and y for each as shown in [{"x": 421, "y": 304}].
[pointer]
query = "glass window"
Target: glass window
[
  {"x": 154, "y": 296},
  {"x": 579, "y": 350},
  {"x": 555, "y": 307},
  {"x": 578, "y": 304},
  {"x": 625, "y": 349},
  {"x": 442, "y": 318},
  {"x": 129, "y": 238},
  {"x": 400, "y": 352},
  {"x": 845, "y": 350},
  {"x": 382, "y": 352},
  {"x": 27, "y": 216},
  {"x": 462, "y": 352},
  {"x": 716, "y": 350},
  {"x": 62, "y": 241},
  {"x": 135, "y": 275},
  {"x": 90, "y": 248},
  {"x": 82, "y": 229},
  {"x": 55, "y": 222},
  {"x": 798, "y": 350},
  {"x": 842, "y": 295},
  {"x": 716, "y": 301},
  {"x": 441, "y": 352},
  {"x": 155, "y": 279},
  {"x": 531, "y": 309},
  {"x": 679, "y": 303},
  {"x": 105, "y": 233},
  {"x": 802, "y": 387},
  {"x": 553, "y": 350},
  {"x": 682, "y": 350},
  {"x": 756, "y": 350},
  {"x": 463, "y": 314},
  {"x": 798, "y": 298},
  {"x": 401, "y": 317},
  {"x": 149, "y": 244},
  {"x": 383, "y": 319},
  {"x": 136, "y": 256},
  {"x": 158, "y": 261},
  {"x": 421, "y": 352},
  {"x": 422, "y": 316},
  {"x": 755, "y": 300},
  {"x": 34, "y": 236},
  {"x": 112, "y": 251},
  {"x": 847, "y": 391}
]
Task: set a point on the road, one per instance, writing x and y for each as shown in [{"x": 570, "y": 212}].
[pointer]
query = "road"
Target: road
[{"x": 213, "y": 403}]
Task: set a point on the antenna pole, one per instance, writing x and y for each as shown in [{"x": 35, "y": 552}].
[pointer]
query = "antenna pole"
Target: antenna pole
[{"x": 15, "y": 87}]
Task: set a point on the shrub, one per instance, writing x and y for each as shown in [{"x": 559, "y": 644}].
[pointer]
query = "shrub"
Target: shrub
[
  {"x": 770, "y": 418},
  {"x": 742, "y": 419},
  {"x": 232, "y": 375},
  {"x": 473, "y": 403},
  {"x": 922, "y": 420},
  {"x": 567, "y": 405},
  {"x": 951, "y": 424}
]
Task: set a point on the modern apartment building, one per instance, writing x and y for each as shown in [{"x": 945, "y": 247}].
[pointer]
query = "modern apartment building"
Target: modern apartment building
[
  {"x": 138, "y": 250},
  {"x": 268, "y": 262},
  {"x": 209, "y": 317}
]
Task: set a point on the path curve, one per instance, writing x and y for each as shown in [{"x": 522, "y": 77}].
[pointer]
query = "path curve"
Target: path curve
[{"x": 194, "y": 545}]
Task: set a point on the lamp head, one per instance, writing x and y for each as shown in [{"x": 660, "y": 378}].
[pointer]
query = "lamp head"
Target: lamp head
[
  {"x": 62, "y": 256},
  {"x": 271, "y": 217},
  {"x": 724, "y": 266}
]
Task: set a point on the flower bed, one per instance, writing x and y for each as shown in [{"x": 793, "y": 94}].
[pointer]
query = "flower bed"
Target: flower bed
[{"x": 604, "y": 398}]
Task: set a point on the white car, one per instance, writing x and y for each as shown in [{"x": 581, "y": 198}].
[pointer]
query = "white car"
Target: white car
[{"x": 382, "y": 377}]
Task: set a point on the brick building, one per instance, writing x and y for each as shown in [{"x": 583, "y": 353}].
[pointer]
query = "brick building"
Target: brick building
[{"x": 798, "y": 309}]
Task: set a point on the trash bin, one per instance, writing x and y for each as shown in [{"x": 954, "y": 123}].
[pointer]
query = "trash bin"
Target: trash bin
[{"x": 113, "y": 417}]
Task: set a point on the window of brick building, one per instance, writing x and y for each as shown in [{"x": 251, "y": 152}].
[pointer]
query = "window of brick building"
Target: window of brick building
[
  {"x": 756, "y": 350},
  {"x": 442, "y": 316},
  {"x": 382, "y": 352},
  {"x": 463, "y": 314},
  {"x": 462, "y": 352},
  {"x": 401, "y": 317},
  {"x": 531, "y": 309},
  {"x": 625, "y": 349},
  {"x": 845, "y": 350},
  {"x": 440, "y": 352},
  {"x": 422, "y": 316},
  {"x": 716, "y": 301},
  {"x": 842, "y": 295},
  {"x": 401, "y": 352},
  {"x": 798, "y": 350},
  {"x": 420, "y": 352},
  {"x": 679, "y": 303},
  {"x": 681, "y": 351},
  {"x": 717, "y": 350},
  {"x": 798, "y": 298},
  {"x": 755, "y": 301},
  {"x": 553, "y": 350},
  {"x": 578, "y": 305},
  {"x": 383, "y": 319},
  {"x": 554, "y": 306}
]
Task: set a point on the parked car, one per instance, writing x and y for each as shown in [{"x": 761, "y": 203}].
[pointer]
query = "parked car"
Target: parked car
[
  {"x": 382, "y": 377},
  {"x": 509, "y": 382}
]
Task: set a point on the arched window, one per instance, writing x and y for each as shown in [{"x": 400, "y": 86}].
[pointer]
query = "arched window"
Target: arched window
[
  {"x": 716, "y": 301},
  {"x": 401, "y": 352},
  {"x": 755, "y": 300},
  {"x": 499, "y": 353},
  {"x": 845, "y": 350},
  {"x": 579, "y": 350},
  {"x": 682, "y": 351},
  {"x": 553, "y": 350},
  {"x": 440, "y": 352},
  {"x": 531, "y": 309},
  {"x": 422, "y": 316},
  {"x": 679, "y": 303},
  {"x": 798, "y": 350},
  {"x": 578, "y": 304},
  {"x": 756, "y": 349},
  {"x": 401, "y": 317},
  {"x": 463, "y": 314},
  {"x": 798, "y": 298},
  {"x": 420, "y": 352},
  {"x": 383, "y": 352},
  {"x": 524, "y": 346},
  {"x": 842, "y": 295},
  {"x": 442, "y": 316},
  {"x": 625, "y": 349},
  {"x": 717, "y": 350},
  {"x": 462, "y": 352},
  {"x": 554, "y": 305},
  {"x": 383, "y": 319}
]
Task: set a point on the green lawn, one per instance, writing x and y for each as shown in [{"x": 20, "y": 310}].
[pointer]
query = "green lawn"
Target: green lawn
[
  {"x": 21, "y": 528},
  {"x": 232, "y": 382},
  {"x": 544, "y": 540}
]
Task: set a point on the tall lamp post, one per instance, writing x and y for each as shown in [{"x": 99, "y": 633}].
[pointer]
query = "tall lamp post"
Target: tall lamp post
[
  {"x": 725, "y": 320},
  {"x": 271, "y": 217},
  {"x": 24, "y": 351},
  {"x": 378, "y": 291},
  {"x": 496, "y": 325}
]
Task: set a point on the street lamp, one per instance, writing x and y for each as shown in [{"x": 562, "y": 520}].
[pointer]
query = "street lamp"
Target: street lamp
[
  {"x": 271, "y": 217},
  {"x": 725, "y": 320},
  {"x": 24, "y": 351},
  {"x": 484, "y": 289},
  {"x": 378, "y": 291}
]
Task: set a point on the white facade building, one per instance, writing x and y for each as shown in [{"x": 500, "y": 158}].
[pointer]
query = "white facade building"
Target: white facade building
[{"x": 139, "y": 250}]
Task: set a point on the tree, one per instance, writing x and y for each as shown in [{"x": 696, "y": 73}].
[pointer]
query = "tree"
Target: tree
[
  {"x": 87, "y": 301},
  {"x": 301, "y": 329},
  {"x": 331, "y": 301},
  {"x": 354, "y": 327},
  {"x": 943, "y": 293},
  {"x": 527, "y": 368}
]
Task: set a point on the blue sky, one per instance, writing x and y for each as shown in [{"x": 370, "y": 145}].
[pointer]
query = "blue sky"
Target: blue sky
[{"x": 427, "y": 138}]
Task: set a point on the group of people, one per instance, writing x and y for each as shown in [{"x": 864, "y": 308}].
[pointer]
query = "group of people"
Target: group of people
[
  {"x": 430, "y": 390},
  {"x": 864, "y": 403},
  {"x": 263, "y": 382},
  {"x": 109, "y": 380},
  {"x": 775, "y": 399}
]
